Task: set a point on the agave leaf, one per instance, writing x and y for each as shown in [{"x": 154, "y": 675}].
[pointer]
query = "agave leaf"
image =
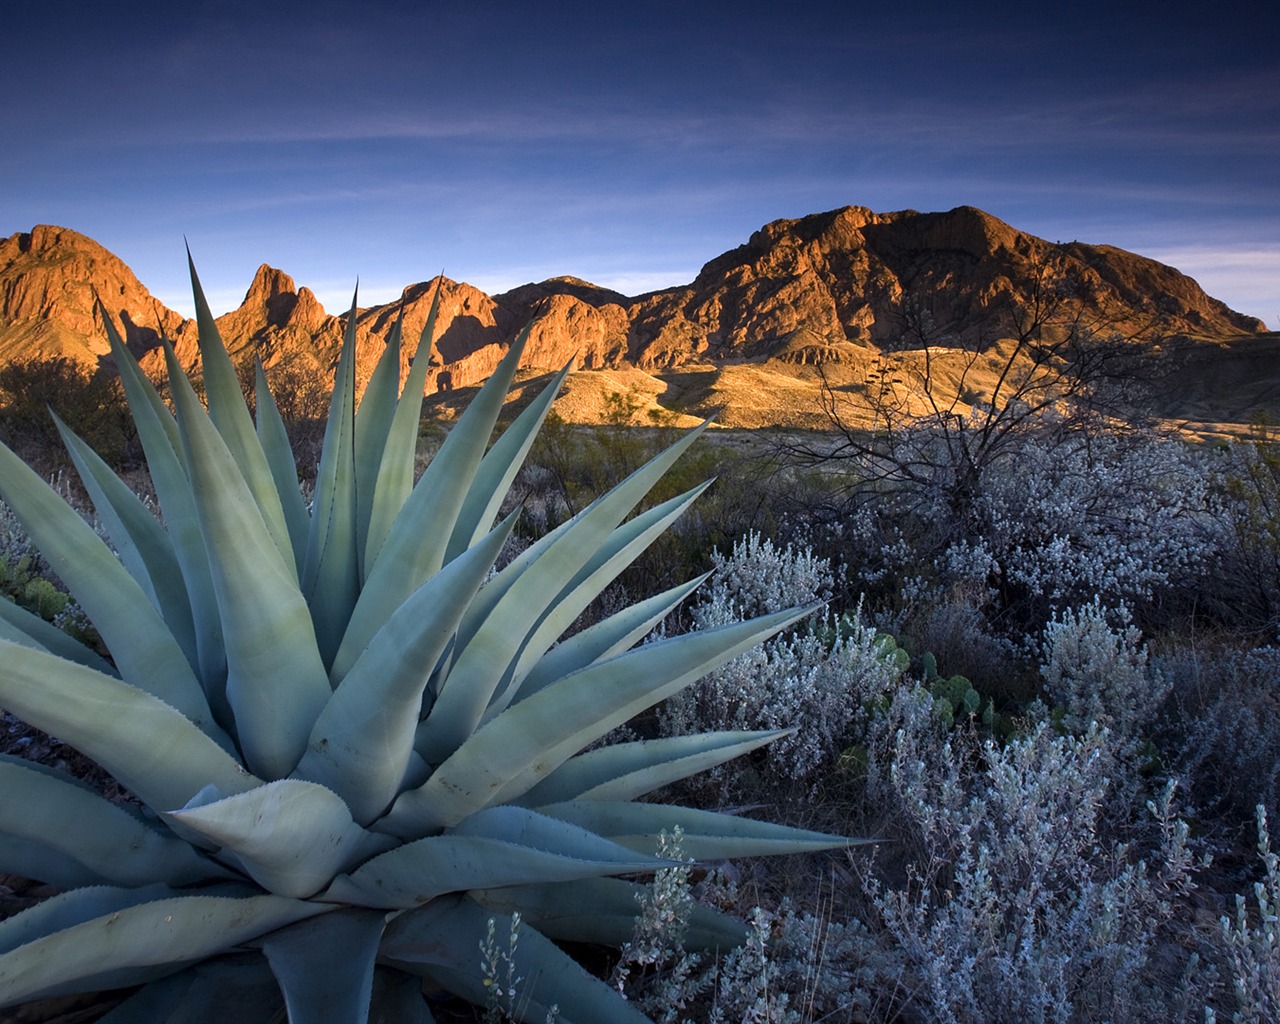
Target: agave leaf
[
  {"x": 623, "y": 547},
  {"x": 139, "y": 943},
  {"x": 27, "y": 628},
  {"x": 114, "y": 845},
  {"x": 236, "y": 988},
  {"x": 151, "y": 748},
  {"x": 362, "y": 742},
  {"x": 528, "y": 741},
  {"x": 488, "y": 661},
  {"x": 291, "y": 836},
  {"x": 331, "y": 578},
  {"x": 274, "y": 439},
  {"x": 65, "y": 910},
  {"x": 416, "y": 542},
  {"x": 496, "y": 847},
  {"x": 229, "y": 413},
  {"x": 625, "y": 771},
  {"x": 276, "y": 682},
  {"x": 12, "y": 633},
  {"x": 606, "y": 638},
  {"x": 602, "y": 911},
  {"x": 394, "y": 481},
  {"x": 397, "y": 999},
  {"x": 498, "y": 469},
  {"x": 158, "y": 432},
  {"x": 374, "y": 417},
  {"x": 496, "y": 590},
  {"x": 325, "y": 965},
  {"x": 141, "y": 542},
  {"x": 35, "y": 859},
  {"x": 708, "y": 835},
  {"x": 130, "y": 626},
  {"x": 440, "y": 941},
  {"x": 144, "y": 401}
]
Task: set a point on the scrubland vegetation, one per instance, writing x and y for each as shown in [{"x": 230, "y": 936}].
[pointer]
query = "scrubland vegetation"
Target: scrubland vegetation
[{"x": 1046, "y": 677}]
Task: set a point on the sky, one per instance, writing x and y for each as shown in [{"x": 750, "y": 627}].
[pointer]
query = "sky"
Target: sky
[{"x": 628, "y": 143}]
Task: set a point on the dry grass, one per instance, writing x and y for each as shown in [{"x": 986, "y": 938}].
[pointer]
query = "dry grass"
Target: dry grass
[{"x": 1209, "y": 390}]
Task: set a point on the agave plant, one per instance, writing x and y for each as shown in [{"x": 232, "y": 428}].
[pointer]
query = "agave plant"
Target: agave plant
[{"x": 353, "y": 743}]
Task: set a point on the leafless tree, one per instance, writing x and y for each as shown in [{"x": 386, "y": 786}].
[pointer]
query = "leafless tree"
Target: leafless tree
[{"x": 939, "y": 410}]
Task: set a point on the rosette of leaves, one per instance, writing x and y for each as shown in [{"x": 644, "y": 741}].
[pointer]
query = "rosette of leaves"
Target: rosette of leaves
[{"x": 352, "y": 741}]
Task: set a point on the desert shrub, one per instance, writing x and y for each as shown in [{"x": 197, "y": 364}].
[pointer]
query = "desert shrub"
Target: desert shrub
[
  {"x": 1225, "y": 736},
  {"x": 814, "y": 680},
  {"x": 794, "y": 967},
  {"x": 1123, "y": 518},
  {"x": 1246, "y": 481},
  {"x": 1120, "y": 517},
  {"x": 91, "y": 404},
  {"x": 1020, "y": 903},
  {"x": 1096, "y": 672},
  {"x": 1252, "y": 940}
]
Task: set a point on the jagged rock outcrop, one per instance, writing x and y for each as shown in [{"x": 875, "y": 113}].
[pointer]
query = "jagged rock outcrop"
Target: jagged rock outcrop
[
  {"x": 810, "y": 290},
  {"x": 854, "y": 276},
  {"x": 51, "y": 281}
]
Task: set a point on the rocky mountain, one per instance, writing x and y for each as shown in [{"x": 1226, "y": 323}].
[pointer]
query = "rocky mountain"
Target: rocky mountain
[
  {"x": 802, "y": 291},
  {"x": 51, "y": 281}
]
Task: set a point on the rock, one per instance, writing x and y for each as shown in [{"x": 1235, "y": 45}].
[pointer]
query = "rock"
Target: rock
[
  {"x": 810, "y": 290},
  {"x": 51, "y": 281}
]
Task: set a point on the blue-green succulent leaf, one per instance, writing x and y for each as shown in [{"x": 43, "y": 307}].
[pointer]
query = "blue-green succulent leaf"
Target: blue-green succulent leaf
[
  {"x": 151, "y": 748},
  {"x": 291, "y": 836},
  {"x": 496, "y": 847},
  {"x": 622, "y": 547},
  {"x": 362, "y": 742},
  {"x": 158, "y": 432},
  {"x": 440, "y": 941},
  {"x": 331, "y": 577},
  {"x": 418, "y": 537},
  {"x": 140, "y": 942},
  {"x": 529, "y": 740},
  {"x": 602, "y": 911},
  {"x": 135, "y": 633},
  {"x": 325, "y": 965},
  {"x": 140, "y": 541},
  {"x": 238, "y": 988},
  {"x": 394, "y": 469},
  {"x": 487, "y": 663},
  {"x": 626, "y": 771},
  {"x": 498, "y": 469},
  {"x": 707, "y": 835},
  {"x": 67, "y": 909},
  {"x": 618, "y": 633},
  {"x": 27, "y": 628},
  {"x": 274, "y": 439},
  {"x": 229, "y": 413},
  {"x": 276, "y": 682},
  {"x": 374, "y": 417},
  {"x": 35, "y": 859},
  {"x": 115, "y": 845},
  {"x": 397, "y": 998}
]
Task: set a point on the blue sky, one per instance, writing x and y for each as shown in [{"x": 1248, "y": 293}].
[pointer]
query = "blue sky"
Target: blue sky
[{"x": 629, "y": 143}]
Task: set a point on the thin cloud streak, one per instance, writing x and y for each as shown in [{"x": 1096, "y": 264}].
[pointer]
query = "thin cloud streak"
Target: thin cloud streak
[{"x": 511, "y": 143}]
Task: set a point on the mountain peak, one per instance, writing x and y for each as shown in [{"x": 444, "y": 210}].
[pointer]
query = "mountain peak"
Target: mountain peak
[
  {"x": 802, "y": 289},
  {"x": 269, "y": 282},
  {"x": 52, "y": 280}
]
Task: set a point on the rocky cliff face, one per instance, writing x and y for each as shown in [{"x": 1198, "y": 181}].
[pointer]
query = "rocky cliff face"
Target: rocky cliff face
[
  {"x": 805, "y": 287},
  {"x": 802, "y": 290},
  {"x": 51, "y": 281}
]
